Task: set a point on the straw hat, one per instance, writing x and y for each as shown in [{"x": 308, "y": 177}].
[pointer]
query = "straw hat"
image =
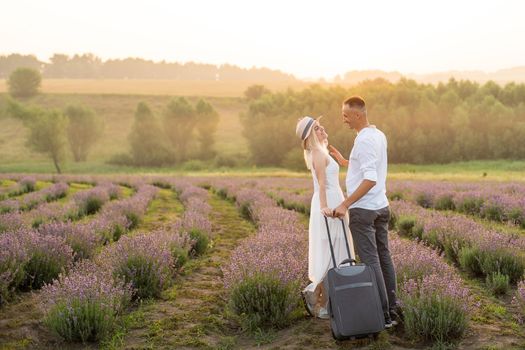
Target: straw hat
[{"x": 304, "y": 127}]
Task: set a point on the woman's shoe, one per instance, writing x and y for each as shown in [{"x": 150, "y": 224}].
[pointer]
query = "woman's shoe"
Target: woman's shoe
[
  {"x": 307, "y": 301},
  {"x": 323, "y": 313}
]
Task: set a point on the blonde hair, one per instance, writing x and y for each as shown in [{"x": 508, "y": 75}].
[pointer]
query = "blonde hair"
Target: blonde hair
[{"x": 312, "y": 143}]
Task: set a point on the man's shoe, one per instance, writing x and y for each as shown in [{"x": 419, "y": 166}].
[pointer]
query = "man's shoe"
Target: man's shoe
[
  {"x": 395, "y": 316},
  {"x": 388, "y": 322}
]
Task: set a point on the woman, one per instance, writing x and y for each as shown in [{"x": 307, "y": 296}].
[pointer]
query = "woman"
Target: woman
[{"x": 327, "y": 195}]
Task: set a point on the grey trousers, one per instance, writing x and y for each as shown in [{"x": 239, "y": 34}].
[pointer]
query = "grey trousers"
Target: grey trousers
[{"x": 369, "y": 230}]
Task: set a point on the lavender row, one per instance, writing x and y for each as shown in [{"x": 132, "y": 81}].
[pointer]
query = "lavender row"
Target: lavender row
[
  {"x": 481, "y": 251},
  {"x": 436, "y": 304},
  {"x": 32, "y": 199},
  {"x": 30, "y": 257},
  {"x": 84, "y": 203},
  {"x": 24, "y": 185},
  {"x": 135, "y": 267},
  {"x": 266, "y": 270},
  {"x": 195, "y": 219},
  {"x": 502, "y": 202}
]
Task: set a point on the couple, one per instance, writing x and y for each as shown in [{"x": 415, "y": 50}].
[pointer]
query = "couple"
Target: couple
[{"x": 366, "y": 203}]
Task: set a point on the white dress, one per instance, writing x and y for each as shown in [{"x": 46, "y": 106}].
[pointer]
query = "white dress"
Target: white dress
[{"x": 319, "y": 258}]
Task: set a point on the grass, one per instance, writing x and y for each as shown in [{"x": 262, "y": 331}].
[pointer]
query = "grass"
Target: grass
[
  {"x": 191, "y": 312},
  {"x": 490, "y": 170},
  {"x": 117, "y": 111},
  {"x": 165, "y": 208},
  {"x": 465, "y": 171}
]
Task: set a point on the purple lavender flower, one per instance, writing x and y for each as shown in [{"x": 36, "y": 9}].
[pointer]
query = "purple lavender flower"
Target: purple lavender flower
[{"x": 84, "y": 305}]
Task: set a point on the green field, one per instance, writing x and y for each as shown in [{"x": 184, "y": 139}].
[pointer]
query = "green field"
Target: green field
[{"x": 117, "y": 112}]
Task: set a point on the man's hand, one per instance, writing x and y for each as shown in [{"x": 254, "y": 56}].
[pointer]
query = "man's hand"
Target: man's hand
[
  {"x": 340, "y": 211},
  {"x": 337, "y": 155}
]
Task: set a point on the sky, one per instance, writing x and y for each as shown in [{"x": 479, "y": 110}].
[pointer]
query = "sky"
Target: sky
[{"x": 309, "y": 39}]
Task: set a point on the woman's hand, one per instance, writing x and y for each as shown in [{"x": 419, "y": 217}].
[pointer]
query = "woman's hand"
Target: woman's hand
[
  {"x": 327, "y": 212},
  {"x": 337, "y": 155}
]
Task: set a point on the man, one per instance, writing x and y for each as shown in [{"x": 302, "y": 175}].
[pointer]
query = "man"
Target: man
[{"x": 367, "y": 202}]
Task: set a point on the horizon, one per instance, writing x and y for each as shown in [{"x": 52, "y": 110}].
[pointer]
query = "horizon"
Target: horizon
[
  {"x": 410, "y": 75},
  {"x": 305, "y": 40}
]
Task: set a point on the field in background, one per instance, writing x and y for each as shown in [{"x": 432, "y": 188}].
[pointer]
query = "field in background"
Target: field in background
[
  {"x": 118, "y": 112},
  {"x": 467, "y": 171},
  {"x": 155, "y": 87},
  {"x": 117, "y": 107}
]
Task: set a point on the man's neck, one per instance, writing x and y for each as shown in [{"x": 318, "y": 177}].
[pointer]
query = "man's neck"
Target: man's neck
[{"x": 361, "y": 127}]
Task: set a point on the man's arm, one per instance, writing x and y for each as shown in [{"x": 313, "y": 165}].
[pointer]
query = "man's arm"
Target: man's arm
[
  {"x": 367, "y": 156},
  {"x": 334, "y": 152}
]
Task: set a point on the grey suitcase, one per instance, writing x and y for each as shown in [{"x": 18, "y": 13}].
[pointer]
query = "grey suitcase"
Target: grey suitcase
[{"x": 354, "y": 304}]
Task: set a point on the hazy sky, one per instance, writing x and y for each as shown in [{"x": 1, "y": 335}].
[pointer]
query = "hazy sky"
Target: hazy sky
[{"x": 306, "y": 38}]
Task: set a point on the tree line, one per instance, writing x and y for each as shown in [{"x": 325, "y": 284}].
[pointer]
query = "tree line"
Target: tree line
[
  {"x": 89, "y": 66},
  {"x": 453, "y": 121},
  {"x": 183, "y": 132}
]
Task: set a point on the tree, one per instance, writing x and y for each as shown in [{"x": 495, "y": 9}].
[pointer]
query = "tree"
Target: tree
[
  {"x": 255, "y": 92},
  {"x": 179, "y": 124},
  {"x": 84, "y": 129},
  {"x": 146, "y": 139},
  {"x": 24, "y": 82},
  {"x": 207, "y": 122},
  {"x": 47, "y": 130}
]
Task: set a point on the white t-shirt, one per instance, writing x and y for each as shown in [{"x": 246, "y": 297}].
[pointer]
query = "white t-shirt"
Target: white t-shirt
[{"x": 368, "y": 160}]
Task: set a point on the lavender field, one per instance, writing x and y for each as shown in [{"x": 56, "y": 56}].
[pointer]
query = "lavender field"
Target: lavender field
[{"x": 134, "y": 262}]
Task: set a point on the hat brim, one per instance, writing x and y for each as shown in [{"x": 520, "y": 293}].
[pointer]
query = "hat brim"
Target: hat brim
[{"x": 310, "y": 130}]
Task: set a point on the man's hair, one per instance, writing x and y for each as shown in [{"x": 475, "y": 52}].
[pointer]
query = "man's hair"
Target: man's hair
[{"x": 355, "y": 102}]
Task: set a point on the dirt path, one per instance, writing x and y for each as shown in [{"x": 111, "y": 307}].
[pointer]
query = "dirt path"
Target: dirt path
[{"x": 191, "y": 312}]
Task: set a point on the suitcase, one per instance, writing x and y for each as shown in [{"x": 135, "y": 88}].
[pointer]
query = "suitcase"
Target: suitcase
[{"x": 354, "y": 304}]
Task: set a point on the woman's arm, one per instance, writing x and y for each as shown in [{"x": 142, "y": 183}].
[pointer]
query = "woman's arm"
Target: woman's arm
[
  {"x": 338, "y": 156},
  {"x": 319, "y": 162}
]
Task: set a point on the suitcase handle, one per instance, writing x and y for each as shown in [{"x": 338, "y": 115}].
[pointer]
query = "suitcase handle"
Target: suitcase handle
[{"x": 350, "y": 259}]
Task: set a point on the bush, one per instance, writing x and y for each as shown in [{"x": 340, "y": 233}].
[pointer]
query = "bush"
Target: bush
[
  {"x": 445, "y": 203},
  {"x": 24, "y": 82},
  {"x": 468, "y": 258},
  {"x": 48, "y": 257},
  {"x": 470, "y": 205},
  {"x": 143, "y": 274},
  {"x": 13, "y": 258},
  {"x": 405, "y": 225},
  {"x": 488, "y": 262},
  {"x": 246, "y": 211},
  {"x": 180, "y": 256},
  {"x": 424, "y": 199},
  {"x": 498, "y": 283},
  {"x": 121, "y": 159},
  {"x": 194, "y": 165},
  {"x": 434, "y": 317},
  {"x": 201, "y": 241},
  {"x": 144, "y": 261},
  {"x": 262, "y": 301},
  {"x": 396, "y": 195},
  {"x": 517, "y": 217},
  {"x": 502, "y": 261},
  {"x": 493, "y": 212},
  {"x": 84, "y": 306}
]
